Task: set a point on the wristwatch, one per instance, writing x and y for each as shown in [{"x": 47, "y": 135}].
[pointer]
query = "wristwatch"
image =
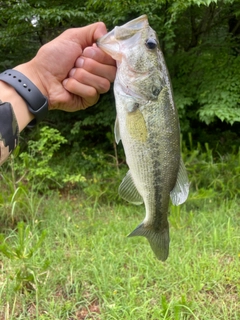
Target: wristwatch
[{"x": 37, "y": 103}]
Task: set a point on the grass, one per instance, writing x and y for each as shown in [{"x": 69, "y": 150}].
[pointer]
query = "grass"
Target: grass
[{"x": 84, "y": 267}]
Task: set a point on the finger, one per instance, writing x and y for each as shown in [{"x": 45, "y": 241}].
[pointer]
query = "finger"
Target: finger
[
  {"x": 102, "y": 70},
  {"x": 100, "y": 84},
  {"x": 86, "y": 36},
  {"x": 99, "y": 55},
  {"x": 88, "y": 93},
  {"x": 95, "y": 31}
]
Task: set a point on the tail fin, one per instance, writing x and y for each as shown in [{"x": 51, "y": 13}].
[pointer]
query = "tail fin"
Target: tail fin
[{"x": 158, "y": 239}]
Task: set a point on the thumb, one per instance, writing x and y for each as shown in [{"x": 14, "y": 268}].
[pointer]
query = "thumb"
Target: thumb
[{"x": 87, "y": 35}]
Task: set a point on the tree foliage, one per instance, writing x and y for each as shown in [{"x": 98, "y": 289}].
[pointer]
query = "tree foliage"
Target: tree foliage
[{"x": 200, "y": 40}]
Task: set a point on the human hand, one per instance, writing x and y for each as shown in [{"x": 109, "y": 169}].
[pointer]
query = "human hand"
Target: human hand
[{"x": 71, "y": 71}]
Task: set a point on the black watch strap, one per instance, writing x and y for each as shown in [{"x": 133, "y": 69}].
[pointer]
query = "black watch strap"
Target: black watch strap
[{"x": 37, "y": 103}]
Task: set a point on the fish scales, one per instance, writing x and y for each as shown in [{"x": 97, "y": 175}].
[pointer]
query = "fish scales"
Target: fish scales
[{"x": 147, "y": 123}]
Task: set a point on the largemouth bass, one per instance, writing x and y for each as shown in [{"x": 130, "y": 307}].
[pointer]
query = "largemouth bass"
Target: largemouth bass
[{"x": 147, "y": 123}]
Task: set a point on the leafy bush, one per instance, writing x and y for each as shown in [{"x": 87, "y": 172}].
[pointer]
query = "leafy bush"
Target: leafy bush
[
  {"x": 44, "y": 166},
  {"x": 33, "y": 165}
]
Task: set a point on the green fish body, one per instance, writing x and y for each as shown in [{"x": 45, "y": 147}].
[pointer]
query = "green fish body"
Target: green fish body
[{"x": 147, "y": 123}]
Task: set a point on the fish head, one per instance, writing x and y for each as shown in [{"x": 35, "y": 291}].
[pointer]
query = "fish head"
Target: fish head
[{"x": 135, "y": 47}]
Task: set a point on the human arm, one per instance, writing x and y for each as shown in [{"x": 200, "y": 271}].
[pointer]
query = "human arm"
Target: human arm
[{"x": 70, "y": 71}]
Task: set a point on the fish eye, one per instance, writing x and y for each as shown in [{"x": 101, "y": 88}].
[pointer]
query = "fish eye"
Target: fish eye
[{"x": 151, "y": 43}]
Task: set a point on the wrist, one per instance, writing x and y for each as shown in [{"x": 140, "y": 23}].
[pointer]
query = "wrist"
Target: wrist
[
  {"x": 23, "y": 115},
  {"x": 36, "y": 102},
  {"x": 32, "y": 74}
]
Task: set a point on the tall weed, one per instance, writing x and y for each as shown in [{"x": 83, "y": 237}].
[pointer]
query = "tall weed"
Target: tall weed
[
  {"x": 20, "y": 248},
  {"x": 16, "y": 204},
  {"x": 210, "y": 173}
]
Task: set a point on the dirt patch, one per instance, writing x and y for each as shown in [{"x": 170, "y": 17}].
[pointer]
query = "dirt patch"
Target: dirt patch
[{"x": 92, "y": 311}]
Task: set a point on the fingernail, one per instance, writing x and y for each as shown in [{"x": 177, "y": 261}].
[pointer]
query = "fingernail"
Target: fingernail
[
  {"x": 71, "y": 73},
  {"x": 89, "y": 52},
  {"x": 64, "y": 82},
  {"x": 79, "y": 62}
]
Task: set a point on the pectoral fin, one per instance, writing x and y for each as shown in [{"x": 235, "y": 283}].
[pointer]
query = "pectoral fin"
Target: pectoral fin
[
  {"x": 117, "y": 131},
  {"x": 180, "y": 192},
  {"x": 128, "y": 191}
]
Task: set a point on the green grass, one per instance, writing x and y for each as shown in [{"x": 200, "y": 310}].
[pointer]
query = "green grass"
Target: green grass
[{"x": 86, "y": 268}]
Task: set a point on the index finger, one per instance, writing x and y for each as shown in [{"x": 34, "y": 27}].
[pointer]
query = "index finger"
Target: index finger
[{"x": 98, "y": 55}]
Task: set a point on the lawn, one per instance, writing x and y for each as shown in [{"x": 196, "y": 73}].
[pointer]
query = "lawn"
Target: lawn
[{"x": 71, "y": 259}]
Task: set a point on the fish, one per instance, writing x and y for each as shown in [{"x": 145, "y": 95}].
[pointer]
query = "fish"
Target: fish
[{"x": 147, "y": 123}]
